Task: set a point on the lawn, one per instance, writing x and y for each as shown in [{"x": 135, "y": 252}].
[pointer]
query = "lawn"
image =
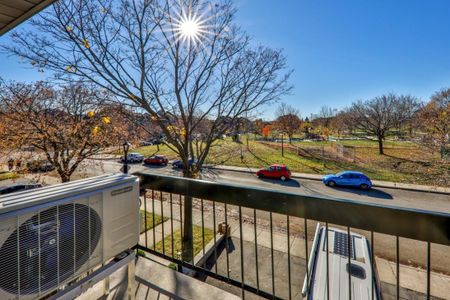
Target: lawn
[
  {"x": 360, "y": 143},
  {"x": 198, "y": 242},
  {"x": 150, "y": 216},
  {"x": 4, "y": 175}
]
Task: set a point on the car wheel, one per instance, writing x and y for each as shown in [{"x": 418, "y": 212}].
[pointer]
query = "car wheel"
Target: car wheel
[
  {"x": 364, "y": 186},
  {"x": 283, "y": 178},
  {"x": 260, "y": 176},
  {"x": 331, "y": 183}
]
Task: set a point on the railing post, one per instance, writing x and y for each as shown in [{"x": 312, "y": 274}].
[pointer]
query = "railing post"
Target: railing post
[{"x": 131, "y": 280}]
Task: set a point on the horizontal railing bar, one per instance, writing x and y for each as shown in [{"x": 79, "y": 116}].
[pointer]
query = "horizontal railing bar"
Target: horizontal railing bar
[
  {"x": 405, "y": 222},
  {"x": 209, "y": 273}
]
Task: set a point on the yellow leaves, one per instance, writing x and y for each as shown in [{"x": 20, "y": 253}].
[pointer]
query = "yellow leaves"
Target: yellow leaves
[
  {"x": 86, "y": 44},
  {"x": 154, "y": 118},
  {"x": 95, "y": 130},
  {"x": 90, "y": 114},
  {"x": 70, "y": 69},
  {"x": 176, "y": 130},
  {"x": 103, "y": 10},
  {"x": 69, "y": 28},
  {"x": 106, "y": 120}
]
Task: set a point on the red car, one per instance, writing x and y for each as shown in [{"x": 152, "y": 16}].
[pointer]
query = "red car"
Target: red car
[
  {"x": 156, "y": 160},
  {"x": 275, "y": 171}
]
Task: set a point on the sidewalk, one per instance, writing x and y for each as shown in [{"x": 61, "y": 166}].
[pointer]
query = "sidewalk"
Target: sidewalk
[{"x": 376, "y": 183}]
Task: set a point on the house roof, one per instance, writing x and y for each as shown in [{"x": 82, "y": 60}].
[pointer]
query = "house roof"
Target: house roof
[{"x": 14, "y": 12}]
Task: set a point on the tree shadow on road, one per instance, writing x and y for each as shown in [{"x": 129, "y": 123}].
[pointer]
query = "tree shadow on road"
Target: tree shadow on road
[
  {"x": 373, "y": 193},
  {"x": 154, "y": 166},
  {"x": 288, "y": 182}
]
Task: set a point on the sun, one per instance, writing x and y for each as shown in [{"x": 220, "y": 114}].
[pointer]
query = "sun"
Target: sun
[
  {"x": 189, "y": 24},
  {"x": 190, "y": 29}
]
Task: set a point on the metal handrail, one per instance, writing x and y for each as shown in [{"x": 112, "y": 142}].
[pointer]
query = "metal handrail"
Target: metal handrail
[
  {"x": 415, "y": 224},
  {"x": 312, "y": 258}
]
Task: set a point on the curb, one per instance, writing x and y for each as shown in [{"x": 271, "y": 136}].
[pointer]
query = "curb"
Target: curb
[{"x": 376, "y": 183}]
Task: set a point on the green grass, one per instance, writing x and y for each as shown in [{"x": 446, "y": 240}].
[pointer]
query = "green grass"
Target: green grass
[
  {"x": 141, "y": 253},
  {"x": 177, "y": 242},
  {"x": 150, "y": 216},
  {"x": 4, "y": 175},
  {"x": 360, "y": 143},
  {"x": 153, "y": 150}
]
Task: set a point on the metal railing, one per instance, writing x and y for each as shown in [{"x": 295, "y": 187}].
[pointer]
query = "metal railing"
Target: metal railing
[{"x": 291, "y": 216}]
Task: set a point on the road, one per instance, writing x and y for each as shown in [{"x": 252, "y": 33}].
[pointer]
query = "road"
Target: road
[{"x": 385, "y": 196}]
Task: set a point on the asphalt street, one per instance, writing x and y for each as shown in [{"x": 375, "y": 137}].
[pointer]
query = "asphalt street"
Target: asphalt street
[{"x": 385, "y": 196}]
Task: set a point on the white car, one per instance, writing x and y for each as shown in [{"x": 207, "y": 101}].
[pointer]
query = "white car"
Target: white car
[{"x": 134, "y": 158}]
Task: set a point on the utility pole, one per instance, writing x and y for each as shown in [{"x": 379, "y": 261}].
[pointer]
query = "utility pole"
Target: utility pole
[{"x": 282, "y": 145}]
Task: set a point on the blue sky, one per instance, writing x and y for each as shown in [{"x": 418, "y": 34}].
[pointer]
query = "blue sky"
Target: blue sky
[{"x": 342, "y": 51}]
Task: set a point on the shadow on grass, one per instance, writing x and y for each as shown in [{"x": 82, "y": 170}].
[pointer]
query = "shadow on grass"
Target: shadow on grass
[
  {"x": 257, "y": 157},
  {"x": 402, "y": 160},
  {"x": 373, "y": 193},
  {"x": 315, "y": 169}
]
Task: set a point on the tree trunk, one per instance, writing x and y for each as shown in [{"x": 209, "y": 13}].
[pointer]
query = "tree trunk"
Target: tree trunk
[
  {"x": 64, "y": 177},
  {"x": 187, "y": 242},
  {"x": 380, "y": 145},
  {"x": 188, "y": 245}
]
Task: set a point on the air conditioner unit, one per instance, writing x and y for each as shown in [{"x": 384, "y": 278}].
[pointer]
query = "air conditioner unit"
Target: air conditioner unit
[{"x": 51, "y": 235}]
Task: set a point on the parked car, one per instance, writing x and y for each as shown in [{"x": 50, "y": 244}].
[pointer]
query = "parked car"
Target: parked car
[
  {"x": 156, "y": 160},
  {"x": 18, "y": 187},
  {"x": 156, "y": 141},
  {"x": 40, "y": 166},
  {"x": 145, "y": 143},
  {"x": 134, "y": 158},
  {"x": 348, "y": 178},
  {"x": 178, "y": 164},
  {"x": 275, "y": 171}
]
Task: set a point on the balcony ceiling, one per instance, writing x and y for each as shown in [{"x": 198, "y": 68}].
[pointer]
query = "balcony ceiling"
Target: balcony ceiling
[{"x": 14, "y": 12}]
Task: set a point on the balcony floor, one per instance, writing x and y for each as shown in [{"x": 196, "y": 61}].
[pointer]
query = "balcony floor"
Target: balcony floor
[{"x": 155, "y": 281}]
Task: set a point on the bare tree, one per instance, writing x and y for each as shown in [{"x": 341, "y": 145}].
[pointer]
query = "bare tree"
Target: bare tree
[
  {"x": 67, "y": 125},
  {"x": 180, "y": 61},
  {"x": 287, "y": 120},
  {"x": 378, "y": 115},
  {"x": 341, "y": 122},
  {"x": 435, "y": 119}
]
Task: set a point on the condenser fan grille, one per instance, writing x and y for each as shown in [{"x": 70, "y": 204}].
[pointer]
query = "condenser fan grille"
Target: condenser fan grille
[{"x": 48, "y": 248}]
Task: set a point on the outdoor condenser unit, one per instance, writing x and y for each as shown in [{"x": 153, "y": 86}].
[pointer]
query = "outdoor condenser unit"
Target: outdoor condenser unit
[{"x": 50, "y": 236}]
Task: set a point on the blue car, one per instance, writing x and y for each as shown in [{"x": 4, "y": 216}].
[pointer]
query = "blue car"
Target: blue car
[
  {"x": 178, "y": 164},
  {"x": 348, "y": 178}
]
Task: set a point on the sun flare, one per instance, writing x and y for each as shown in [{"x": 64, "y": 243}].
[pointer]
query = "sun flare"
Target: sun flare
[
  {"x": 189, "y": 24},
  {"x": 189, "y": 28}
]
